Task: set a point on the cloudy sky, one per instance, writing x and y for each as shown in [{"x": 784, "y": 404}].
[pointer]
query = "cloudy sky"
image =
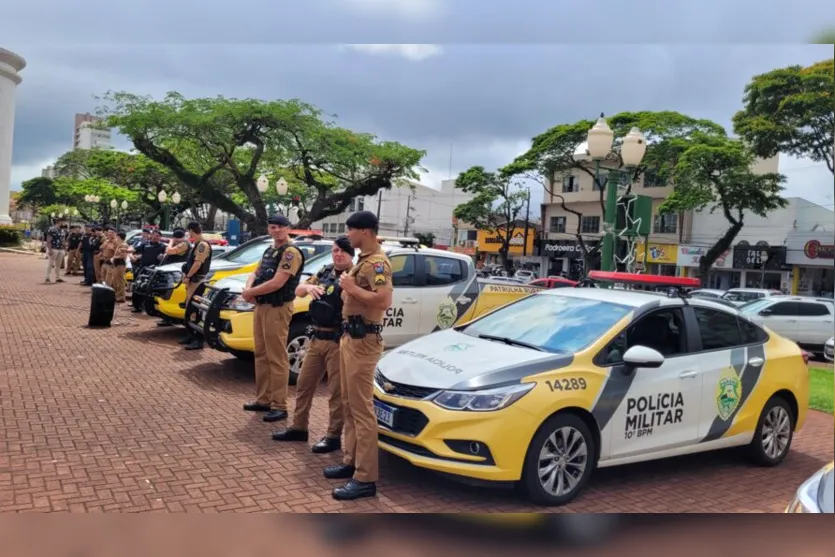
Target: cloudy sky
[{"x": 478, "y": 81}]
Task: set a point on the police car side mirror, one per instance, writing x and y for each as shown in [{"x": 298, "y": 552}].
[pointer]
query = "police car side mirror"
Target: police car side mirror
[
  {"x": 765, "y": 312},
  {"x": 642, "y": 356}
]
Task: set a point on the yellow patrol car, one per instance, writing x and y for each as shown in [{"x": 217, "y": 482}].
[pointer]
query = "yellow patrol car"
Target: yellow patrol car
[
  {"x": 546, "y": 389},
  {"x": 165, "y": 294},
  {"x": 433, "y": 290}
]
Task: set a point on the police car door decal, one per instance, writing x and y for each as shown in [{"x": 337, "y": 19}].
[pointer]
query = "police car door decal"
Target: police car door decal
[{"x": 458, "y": 300}]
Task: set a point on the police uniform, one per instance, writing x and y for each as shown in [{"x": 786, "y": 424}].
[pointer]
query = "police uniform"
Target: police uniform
[
  {"x": 87, "y": 247},
  {"x": 106, "y": 252},
  {"x": 55, "y": 242},
  {"x": 360, "y": 349},
  {"x": 271, "y": 326},
  {"x": 322, "y": 357},
  {"x": 116, "y": 276},
  {"x": 200, "y": 255},
  {"x": 98, "y": 241},
  {"x": 73, "y": 252},
  {"x": 178, "y": 253}
]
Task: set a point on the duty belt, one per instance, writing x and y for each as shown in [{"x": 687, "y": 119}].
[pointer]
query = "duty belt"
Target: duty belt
[
  {"x": 371, "y": 328},
  {"x": 320, "y": 334}
]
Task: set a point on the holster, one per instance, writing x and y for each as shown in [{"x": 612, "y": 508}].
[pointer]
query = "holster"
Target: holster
[
  {"x": 357, "y": 328},
  {"x": 118, "y": 262}
]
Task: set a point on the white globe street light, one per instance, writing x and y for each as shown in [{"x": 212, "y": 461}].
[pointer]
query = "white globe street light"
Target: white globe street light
[
  {"x": 281, "y": 186},
  {"x": 262, "y": 183},
  {"x": 162, "y": 196},
  {"x": 113, "y": 203},
  {"x": 75, "y": 212},
  {"x": 600, "y": 138},
  {"x": 52, "y": 215},
  {"x": 176, "y": 198},
  {"x": 87, "y": 198},
  {"x": 124, "y": 205},
  {"x": 294, "y": 215},
  {"x": 96, "y": 199},
  {"x": 633, "y": 149}
]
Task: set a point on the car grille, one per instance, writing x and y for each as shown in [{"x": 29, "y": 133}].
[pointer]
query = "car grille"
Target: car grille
[
  {"x": 401, "y": 390},
  {"x": 408, "y": 421}
]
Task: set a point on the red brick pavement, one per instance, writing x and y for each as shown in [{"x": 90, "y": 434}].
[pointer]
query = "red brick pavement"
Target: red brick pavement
[{"x": 124, "y": 420}]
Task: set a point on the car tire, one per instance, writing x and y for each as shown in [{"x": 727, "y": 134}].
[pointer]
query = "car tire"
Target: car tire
[
  {"x": 243, "y": 355},
  {"x": 297, "y": 339},
  {"x": 565, "y": 430},
  {"x": 775, "y": 426}
]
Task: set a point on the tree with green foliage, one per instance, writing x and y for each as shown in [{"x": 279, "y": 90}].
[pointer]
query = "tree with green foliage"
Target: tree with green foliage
[
  {"x": 714, "y": 173},
  {"x": 219, "y": 147},
  {"x": 791, "y": 110},
  {"x": 36, "y": 193},
  {"x": 559, "y": 152},
  {"x": 426, "y": 238},
  {"x": 495, "y": 207}
]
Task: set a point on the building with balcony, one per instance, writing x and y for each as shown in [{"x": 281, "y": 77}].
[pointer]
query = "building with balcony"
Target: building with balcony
[{"x": 88, "y": 133}]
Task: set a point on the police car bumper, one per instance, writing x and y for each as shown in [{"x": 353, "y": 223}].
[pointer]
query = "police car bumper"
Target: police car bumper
[{"x": 488, "y": 446}]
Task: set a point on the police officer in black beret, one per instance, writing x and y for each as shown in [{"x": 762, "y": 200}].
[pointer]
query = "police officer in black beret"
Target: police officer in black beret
[
  {"x": 177, "y": 252},
  {"x": 272, "y": 288},
  {"x": 322, "y": 355}
]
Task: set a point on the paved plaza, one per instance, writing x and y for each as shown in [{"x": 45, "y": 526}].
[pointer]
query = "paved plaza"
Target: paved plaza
[{"x": 125, "y": 420}]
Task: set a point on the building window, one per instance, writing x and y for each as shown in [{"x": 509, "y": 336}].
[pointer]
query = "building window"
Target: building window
[
  {"x": 665, "y": 224},
  {"x": 570, "y": 184},
  {"x": 653, "y": 180},
  {"x": 557, "y": 225},
  {"x": 604, "y": 179},
  {"x": 590, "y": 225}
]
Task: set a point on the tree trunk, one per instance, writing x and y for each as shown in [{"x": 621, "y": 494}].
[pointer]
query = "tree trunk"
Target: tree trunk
[
  {"x": 211, "y": 215},
  {"x": 721, "y": 246}
]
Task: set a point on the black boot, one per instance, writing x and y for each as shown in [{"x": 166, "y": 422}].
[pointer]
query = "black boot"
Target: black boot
[
  {"x": 255, "y": 407},
  {"x": 188, "y": 339},
  {"x": 340, "y": 472},
  {"x": 195, "y": 344},
  {"x": 354, "y": 490},
  {"x": 275, "y": 415},
  {"x": 290, "y": 435},
  {"x": 327, "y": 445}
]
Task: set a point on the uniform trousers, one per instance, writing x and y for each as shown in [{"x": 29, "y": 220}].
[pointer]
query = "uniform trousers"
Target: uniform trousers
[
  {"x": 321, "y": 358},
  {"x": 271, "y": 326}
]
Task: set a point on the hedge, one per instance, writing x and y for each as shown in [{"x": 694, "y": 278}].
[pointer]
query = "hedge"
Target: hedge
[{"x": 10, "y": 236}]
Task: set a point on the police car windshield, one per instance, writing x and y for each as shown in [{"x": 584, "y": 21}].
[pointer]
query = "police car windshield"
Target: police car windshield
[
  {"x": 552, "y": 323},
  {"x": 248, "y": 253}
]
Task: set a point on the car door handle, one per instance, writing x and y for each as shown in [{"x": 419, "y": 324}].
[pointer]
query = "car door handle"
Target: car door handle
[
  {"x": 689, "y": 374},
  {"x": 756, "y": 362},
  {"x": 409, "y": 301}
]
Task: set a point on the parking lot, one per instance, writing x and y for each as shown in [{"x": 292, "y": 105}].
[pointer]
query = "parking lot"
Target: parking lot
[{"x": 123, "y": 419}]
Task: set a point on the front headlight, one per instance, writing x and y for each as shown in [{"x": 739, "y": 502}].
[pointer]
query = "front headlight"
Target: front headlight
[
  {"x": 175, "y": 276},
  {"x": 239, "y": 304},
  {"x": 482, "y": 401}
]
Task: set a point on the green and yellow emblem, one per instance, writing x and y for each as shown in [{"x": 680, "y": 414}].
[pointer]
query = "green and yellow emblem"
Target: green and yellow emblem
[
  {"x": 329, "y": 291},
  {"x": 728, "y": 393},
  {"x": 447, "y": 313}
]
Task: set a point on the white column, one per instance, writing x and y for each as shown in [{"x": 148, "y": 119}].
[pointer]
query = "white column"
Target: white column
[{"x": 10, "y": 65}]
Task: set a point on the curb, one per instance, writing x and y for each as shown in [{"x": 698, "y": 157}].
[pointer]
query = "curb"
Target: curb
[{"x": 18, "y": 251}]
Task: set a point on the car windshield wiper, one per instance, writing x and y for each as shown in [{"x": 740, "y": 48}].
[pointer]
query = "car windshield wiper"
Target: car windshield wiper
[{"x": 512, "y": 342}]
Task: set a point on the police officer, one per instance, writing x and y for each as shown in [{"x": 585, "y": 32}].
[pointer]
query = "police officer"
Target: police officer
[
  {"x": 87, "y": 247},
  {"x": 73, "y": 251},
  {"x": 118, "y": 265},
  {"x": 148, "y": 254},
  {"x": 56, "y": 239},
  {"x": 99, "y": 240},
  {"x": 175, "y": 253},
  {"x": 106, "y": 252},
  {"x": 195, "y": 270},
  {"x": 322, "y": 356},
  {"x": 272, "y": 287},
  {"x": 366, "y": 294}
]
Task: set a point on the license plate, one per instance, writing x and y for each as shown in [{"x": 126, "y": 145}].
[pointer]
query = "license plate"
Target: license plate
[{"x": 385, "y": 413}]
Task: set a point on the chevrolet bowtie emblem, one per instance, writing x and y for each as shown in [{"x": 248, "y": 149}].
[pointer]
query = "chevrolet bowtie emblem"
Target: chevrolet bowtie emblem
[{"x": 388, "y": 387}]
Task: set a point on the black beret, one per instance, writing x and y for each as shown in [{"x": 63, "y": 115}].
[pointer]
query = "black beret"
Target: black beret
[
  {"x": 88, "y": 225},
  {"x": 98, "y": 228},
  {"x": 179, "y": 233},
  {"x": 147, "y": 230},
  {"x": 362, "y": 220},
  {"x": 278, "y": 220},
  {"x": 343, "y": 244}
]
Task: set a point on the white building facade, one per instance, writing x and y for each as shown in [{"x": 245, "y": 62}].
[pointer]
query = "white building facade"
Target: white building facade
[
  {"x": 405, "y": 211},
  {"x": 10, "y": 65},
  {"x": 761, "y": 256},
  {"x": 89, "y": 136}
]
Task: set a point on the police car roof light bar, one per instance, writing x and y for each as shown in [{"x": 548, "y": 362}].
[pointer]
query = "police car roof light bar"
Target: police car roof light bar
[
  {"x": 401, "y": 241},
  {"x": 677, "y": 283}
]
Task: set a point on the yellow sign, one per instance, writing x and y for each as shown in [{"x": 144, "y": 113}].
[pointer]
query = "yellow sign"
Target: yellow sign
[
  {"x": 666, "y": 254},
  {"x": 490, "y": 242}
]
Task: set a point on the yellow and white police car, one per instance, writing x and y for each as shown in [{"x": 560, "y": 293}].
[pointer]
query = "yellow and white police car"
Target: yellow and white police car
[{"x": 544, "y": 390}]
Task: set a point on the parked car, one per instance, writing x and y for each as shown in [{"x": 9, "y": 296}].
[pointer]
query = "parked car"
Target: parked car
[
  {"x": 829, "y": 349},
  {"x": 544, "y": 390},
  {"x": 553, "y": 282},
  {"x": 806, "y": 320},
  {"x": 741, "y": 296},
  {"x": 817, "y": 494},
  {"x": 707, "y": 293},
  {"x": 524, "y": 275}
]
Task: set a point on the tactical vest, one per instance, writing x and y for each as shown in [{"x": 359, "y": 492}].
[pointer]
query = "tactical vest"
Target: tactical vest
[
  {"x": 327, "y": 310},
  {"x": 192, "y": 255},
  {"x": 267, "y": 270},
  {"x": 73, "y": 240}
]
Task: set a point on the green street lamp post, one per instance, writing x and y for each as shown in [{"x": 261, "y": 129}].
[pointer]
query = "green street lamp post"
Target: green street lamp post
[{"x": 599, "y": 140}]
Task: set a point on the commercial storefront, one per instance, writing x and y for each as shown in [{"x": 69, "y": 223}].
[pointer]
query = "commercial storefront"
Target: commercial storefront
[
  {"x": 562, "y": 257},
  {"x": 762, "y": 266},
  {"x": 661, "y": 259},
  {"x": 812, "y": 259},
  {"x": 722, "y": 275},
  {"x": 520, "y": 247}
]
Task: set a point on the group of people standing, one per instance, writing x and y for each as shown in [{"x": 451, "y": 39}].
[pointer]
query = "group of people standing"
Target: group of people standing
[
  {"x": 101, "y": 252},
  {"x": 347, "y": 308}
]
